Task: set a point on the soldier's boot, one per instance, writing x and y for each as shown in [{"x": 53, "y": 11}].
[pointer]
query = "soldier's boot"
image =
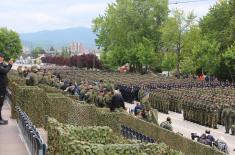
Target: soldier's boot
[
  {"x": 226, "y": 129},
  {"x": 215, "y": 126},
  {"x": 233, "y": 130}
]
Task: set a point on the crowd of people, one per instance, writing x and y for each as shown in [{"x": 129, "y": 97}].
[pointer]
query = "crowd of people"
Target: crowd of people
[
  {"x": 99, "y": 92},
  {"x": 207, "y": 103}
]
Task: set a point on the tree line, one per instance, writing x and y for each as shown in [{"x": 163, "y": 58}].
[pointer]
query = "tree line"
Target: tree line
[{"x": 146, "y": 34}]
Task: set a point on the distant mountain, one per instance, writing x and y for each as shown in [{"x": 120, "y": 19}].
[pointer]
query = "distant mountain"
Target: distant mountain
[{"x": 59, "y": 38}]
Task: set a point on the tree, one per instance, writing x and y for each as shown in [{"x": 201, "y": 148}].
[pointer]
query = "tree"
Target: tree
[
  {"x": 65, "y": 52},
  {"x": 37, "y": 51},
  {"x": 145, "y": 53},
  {"x": 125, "y": 23},
  {"x": 219, "y": 23},
  {"x": 187, "y": 65},
  {"x": 191, "y": 39},
  {"x": 206, "y": 55},
  {"x": 174, "y": 31},
  {"x": 229, "y": 58},
  {"x": 10, "y": 43},
  {"x": 169, "y": 61}
]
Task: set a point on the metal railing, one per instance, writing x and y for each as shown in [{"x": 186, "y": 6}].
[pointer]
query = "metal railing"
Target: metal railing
[
  {"x": 130, "y": 133},
  {"x": 31, "y": 136}
]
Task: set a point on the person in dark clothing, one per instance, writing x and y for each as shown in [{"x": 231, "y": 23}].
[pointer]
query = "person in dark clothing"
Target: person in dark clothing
[
  {"x": 4, "y": 69},
  {"x": 210, "y": 138},
  {"x": 117, "y": 101},
  {"x": 138, "y": 107}
]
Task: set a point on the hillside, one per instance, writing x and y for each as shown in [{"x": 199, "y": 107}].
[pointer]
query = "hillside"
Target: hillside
[{"x": 59, "y": 38}]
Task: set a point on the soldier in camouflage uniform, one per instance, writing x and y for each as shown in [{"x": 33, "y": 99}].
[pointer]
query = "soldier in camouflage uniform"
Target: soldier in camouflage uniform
[
  {"x": 84, "y": 89},
  {"x": 215, "y": 116},
  {"x": 200, "y": 113},
  {"x": 108, "y": 98},
  {"x": 20, "y": 71},
  {"x": 32, "y": 77},
  {"x": 233, "y": 129},
  {"x": 167, "y": 124},
  {"x": 227, "y": 122},
  {"x": 145, "y": 101},
  {"x": 89, "y": 96},
  {"x": 100, "y": 99}
]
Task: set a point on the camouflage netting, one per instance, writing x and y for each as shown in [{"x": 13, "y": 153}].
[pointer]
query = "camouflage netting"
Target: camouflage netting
[
  {"x": 31, "y": 100},
  {"x": 49, "y": 89},
  {"x": 68, "y": 139},
  {"x": 82, "y": 114},
  {"x": 37, "y": 103},
  {"x": 58, "y": 106}
]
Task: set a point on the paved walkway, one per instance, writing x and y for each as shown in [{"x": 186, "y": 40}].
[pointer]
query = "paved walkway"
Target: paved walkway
[
  {"x": 186, "y": 128},
  {"x": 10, "y": 138}
]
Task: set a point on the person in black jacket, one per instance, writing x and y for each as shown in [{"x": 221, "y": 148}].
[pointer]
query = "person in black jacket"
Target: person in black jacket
[
  {"x": 4, "y": 69},
  {"x": 117, "y": 101}
]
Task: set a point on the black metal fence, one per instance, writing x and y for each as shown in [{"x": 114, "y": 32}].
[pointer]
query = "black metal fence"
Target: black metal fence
[
  {"x": 30, "y": 134},
  {"x": 133, "y": 134}
]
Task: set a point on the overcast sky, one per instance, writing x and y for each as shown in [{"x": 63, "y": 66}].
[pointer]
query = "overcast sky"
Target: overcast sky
[{"x": 36, "y": 15}]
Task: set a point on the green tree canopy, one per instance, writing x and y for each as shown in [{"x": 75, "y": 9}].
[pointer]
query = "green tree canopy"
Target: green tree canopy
[
  {"x": 174, "y": 31},
  {"x": 229, "y": 60},
  {"x": 206, "y": 55},
  {"x": 10, "y": 43},
  {"x": 37, "y": 51},
  {"x": 219, "y": 23},
  {"x": 125, "y": 23},
  {"x": 169, "y": 61}
]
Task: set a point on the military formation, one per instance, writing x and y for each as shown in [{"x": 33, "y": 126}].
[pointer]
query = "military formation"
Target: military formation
[{"x": 206, "y": 103}]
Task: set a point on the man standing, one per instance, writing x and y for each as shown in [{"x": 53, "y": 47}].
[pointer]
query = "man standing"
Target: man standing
[
  {"x": 4, "y": 69},
  {"x": 117, "y": 101}
]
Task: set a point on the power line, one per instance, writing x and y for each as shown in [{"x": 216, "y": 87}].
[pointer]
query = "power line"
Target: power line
[{"x": 191, "y": 1}]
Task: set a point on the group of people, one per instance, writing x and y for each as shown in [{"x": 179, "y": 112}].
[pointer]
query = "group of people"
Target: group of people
[
  {"x": 100, "y": 93},
  {"x": 208, "y": 139}
]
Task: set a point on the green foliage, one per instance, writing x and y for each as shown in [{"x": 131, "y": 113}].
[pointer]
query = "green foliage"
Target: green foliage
[
  {"x": 206, "y": 55},
  {"x": 10, "y": 43},
  {"x": 37, "y": 51},
  {"x": 65, "y": 52},
  {"x": 218, "y": 23},
  {"x": 174, "y": 31},
  {"x": 106, "y": 59},
  {"x": 169, "y": 61},
  {"x": 187, "y": 65},
  {"x": 145, "y": 52},
  {"x": 191, "y": 39},
  {"x": 229, "y": 59},
  {"x": 123, "y": 30}
]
